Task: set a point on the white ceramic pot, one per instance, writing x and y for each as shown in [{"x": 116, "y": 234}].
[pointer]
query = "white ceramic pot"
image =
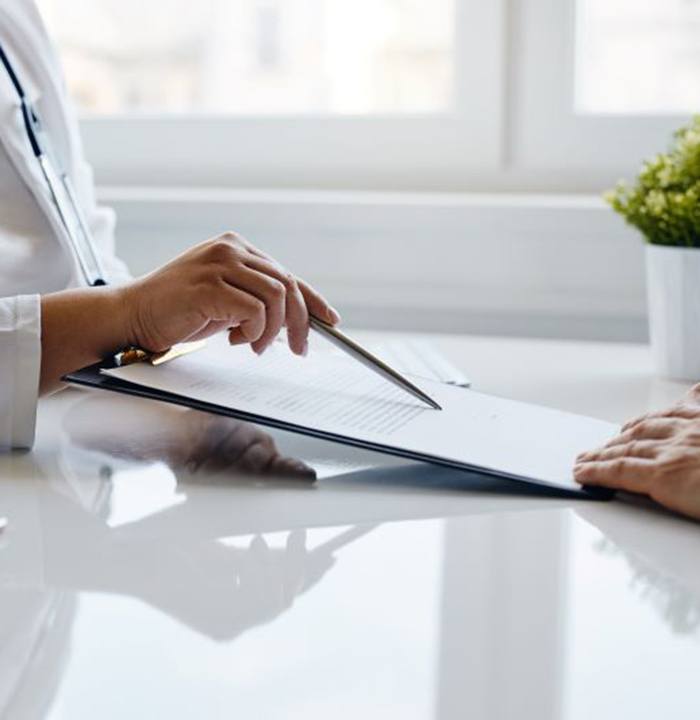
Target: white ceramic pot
[{"x": 673, "y": 291}]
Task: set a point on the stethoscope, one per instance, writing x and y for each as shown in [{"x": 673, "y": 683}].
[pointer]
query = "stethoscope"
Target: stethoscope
[
  {"x": 68, "y": 210},
  {"x": 60, "y": 186}
]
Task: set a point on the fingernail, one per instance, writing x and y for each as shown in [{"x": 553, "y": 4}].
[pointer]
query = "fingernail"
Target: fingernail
[
  {"x": 335, "y": 315},
  {"x": 303, "y": 471}
]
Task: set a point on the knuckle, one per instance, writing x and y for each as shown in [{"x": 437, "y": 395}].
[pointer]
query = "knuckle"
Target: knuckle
[
  {"x": 219, "y": 250},
  {"x": 638, "y": 430},
  {"x": 277, "y": 290},
  {"x": 672, "y": 459},
  {"x": 618, "y": 466},
  {"x": 256, "y": 306},
  {"x": 632, "y": 424},
  {"x": 290, "y": 282},
  {"x": 230, "y": 237},
  {"x": 686, "y": 410},
  {"x": 268, "y": 444},
  {"x": 236, "y": 241},
  {"x": 691, "y": 434},
  {"x": 644, "y": 449}
]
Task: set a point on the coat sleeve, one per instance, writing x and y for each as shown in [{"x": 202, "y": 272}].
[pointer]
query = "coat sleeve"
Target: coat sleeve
[{"x": 20, "y": 364}]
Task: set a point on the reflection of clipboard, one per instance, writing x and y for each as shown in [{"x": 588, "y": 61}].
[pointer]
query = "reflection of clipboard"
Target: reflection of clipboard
[{"x": 93, "y": 377}]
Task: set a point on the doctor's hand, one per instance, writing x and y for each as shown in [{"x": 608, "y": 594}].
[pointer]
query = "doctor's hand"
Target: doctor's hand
[
  {"x": 657, "y": 455},
  {"x": 222, "y": 284}
]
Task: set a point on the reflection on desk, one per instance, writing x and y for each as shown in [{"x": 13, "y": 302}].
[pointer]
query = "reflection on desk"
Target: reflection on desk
[
  {"x": 67, "y": 540},
  {"x": 141, "y": 576},
  {"x": 661, "y": 576},
  {"x": 146, "y": 512},
  {"x": 185, "y": 440}
]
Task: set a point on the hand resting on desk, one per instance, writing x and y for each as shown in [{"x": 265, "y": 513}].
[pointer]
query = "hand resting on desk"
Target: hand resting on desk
[
  {"x": 222, "y": 284},
  {"x": 657, "y": 455}
]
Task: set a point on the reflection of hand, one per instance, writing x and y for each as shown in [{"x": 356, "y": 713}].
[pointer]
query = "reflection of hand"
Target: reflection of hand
[
  {"x": 183, "y": 439},
  {"x": 657, "y": 455},
  {"x": 269, "y": 580},
  {"x": 661, "y": 576},
  {"x": 212, "y": 443}
]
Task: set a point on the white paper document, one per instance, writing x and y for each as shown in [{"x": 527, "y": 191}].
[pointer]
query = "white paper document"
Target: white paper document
[{"x": 337, "y": 396}]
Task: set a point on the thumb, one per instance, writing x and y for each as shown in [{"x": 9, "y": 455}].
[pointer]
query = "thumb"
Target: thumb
[{"x": 237, "y": 336}]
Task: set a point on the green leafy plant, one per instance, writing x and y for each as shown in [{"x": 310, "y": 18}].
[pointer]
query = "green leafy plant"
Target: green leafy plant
[{"x": 664, "y": 203}]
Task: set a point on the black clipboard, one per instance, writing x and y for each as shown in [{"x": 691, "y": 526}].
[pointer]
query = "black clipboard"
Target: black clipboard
[{"x": 91, "y": 377}]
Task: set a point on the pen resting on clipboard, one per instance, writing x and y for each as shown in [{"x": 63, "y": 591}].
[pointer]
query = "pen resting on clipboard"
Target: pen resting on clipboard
[{"x": 331, "y": 333}]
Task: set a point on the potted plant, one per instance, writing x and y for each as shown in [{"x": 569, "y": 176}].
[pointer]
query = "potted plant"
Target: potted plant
[{"x": 664, "y": 204}]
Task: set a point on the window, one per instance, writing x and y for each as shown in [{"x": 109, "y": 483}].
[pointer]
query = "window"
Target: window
[
  {"x": 571, "y": 119},
  {"x": 552, "y": 95},
  {"x": 267, "y": 57},
  {"x": 284, "y": 93},
  {"x": 638, "y": 56}
]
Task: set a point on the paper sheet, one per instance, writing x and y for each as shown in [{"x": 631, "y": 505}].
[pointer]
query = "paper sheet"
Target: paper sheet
[{"x": 334, "y": 394}]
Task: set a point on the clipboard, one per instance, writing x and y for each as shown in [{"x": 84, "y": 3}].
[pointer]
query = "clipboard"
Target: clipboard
[{"x": 92, "y": 377}]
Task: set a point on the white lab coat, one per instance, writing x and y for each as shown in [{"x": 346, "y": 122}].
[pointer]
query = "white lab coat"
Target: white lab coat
[{"x": 35, "y": 254}]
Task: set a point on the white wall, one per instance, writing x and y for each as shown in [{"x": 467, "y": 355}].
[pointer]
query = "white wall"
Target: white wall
[{"x": 556, "y": 266}]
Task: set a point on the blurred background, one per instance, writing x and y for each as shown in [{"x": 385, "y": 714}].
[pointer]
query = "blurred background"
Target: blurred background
[
  {"x": 366, "y": 57},
  {"x": 257, "y": 57},
  {"x": 431, "y": 164}
]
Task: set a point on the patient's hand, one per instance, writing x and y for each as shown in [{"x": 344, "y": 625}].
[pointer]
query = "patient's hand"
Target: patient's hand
[{"x": 657, "y": 455}]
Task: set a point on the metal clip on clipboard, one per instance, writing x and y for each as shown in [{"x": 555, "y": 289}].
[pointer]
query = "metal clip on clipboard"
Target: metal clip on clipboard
[{"x": 132, "y": 355}]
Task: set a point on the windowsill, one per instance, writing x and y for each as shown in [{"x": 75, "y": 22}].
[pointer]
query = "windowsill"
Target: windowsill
[
  {"x": 218, "y": 195},
  {"x": 521, "y": 264}
]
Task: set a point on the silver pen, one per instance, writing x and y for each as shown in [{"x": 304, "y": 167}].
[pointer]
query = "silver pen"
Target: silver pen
[{"x": 349, "y": 346}]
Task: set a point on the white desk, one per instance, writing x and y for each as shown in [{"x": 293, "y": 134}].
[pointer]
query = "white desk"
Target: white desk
[{"x": 133, "y": 588}]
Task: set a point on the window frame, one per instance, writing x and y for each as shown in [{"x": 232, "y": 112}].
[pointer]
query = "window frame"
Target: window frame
[
  {"x": 549, "y": 133},
  {"x": 514, "y": 127}
]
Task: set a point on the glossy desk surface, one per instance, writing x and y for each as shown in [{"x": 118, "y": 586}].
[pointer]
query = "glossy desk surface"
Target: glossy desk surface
[{"x": 147, "y": 572}]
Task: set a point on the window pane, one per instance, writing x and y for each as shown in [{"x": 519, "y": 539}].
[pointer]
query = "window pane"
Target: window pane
[
  {"x": 638, "y": 56},
  {"x": 256, "y": 56}
]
